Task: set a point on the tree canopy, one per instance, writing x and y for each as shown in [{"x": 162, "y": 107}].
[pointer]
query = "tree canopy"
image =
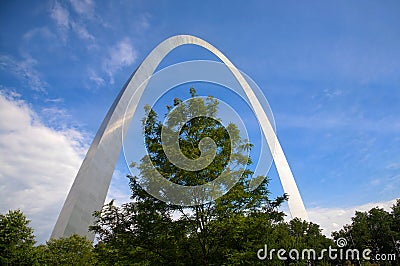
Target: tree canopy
[
  {"x": 228, "y": 230},
  {"x": 16, "y": 239},
  {"x": 376, "y": 230}
]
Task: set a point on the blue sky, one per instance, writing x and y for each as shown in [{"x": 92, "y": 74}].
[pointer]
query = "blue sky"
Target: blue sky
[{"x": 330, "y": 71}]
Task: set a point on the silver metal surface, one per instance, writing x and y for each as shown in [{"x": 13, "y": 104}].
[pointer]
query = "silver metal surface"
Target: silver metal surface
[{"x": 91, "y": 184}]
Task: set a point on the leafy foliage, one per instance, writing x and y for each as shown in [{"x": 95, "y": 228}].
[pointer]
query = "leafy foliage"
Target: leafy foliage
[
  {"x": 377, "y": 230},
  {"x": 17, "y": 245},
  {"x": 16, "y": 239},
  {"x": 72, "y": 250},
  {"x": 226, "y": 231}
]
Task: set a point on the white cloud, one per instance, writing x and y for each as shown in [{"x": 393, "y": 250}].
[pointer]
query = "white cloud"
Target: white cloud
[
  {"x": 120, "y": 55},
  {"x": 65, "y": 22},
  {"x": 54, "y": 100},
  {"x": 81, "y": 31},
  {"x": 393, "y": 166},
  {"x": 24, "y": 70},
  {"x": 333, "y": 219},
  {"x": 143, "y": 22},
  {"x": 38, "y": 164},
  {"x": 40, "y": 31},
  {"x": 93, "y": 76},
  {"x": 83, "y": 7},
  {"x": 61, "y": 16},
  {"x": 55, "y": 117},
  {"x": 331, "y": 93}
]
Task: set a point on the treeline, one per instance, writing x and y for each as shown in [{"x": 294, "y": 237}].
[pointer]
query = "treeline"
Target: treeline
[{"x": 136, "y": 238}]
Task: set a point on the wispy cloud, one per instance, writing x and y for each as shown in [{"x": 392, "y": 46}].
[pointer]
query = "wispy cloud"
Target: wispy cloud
[
  {"x": 143, "y": 22},
  {"x": 25, "y": 71},
  {"x": 331, "y": 93},
  {"x": 56, "y": 117},
  {"x": 93, "y": 76},
  {"x": 120, "y": 55},
  {"x": 65, "y": 21},
  {"x": 40, "y": 31},
  {"x": 81, "y": 31},
  {"x": 393, "y": 166},
  {"x": 61, "y": 16},
  {"x": 38, "y": 164},
  {"x": 79, "y": 19},
  {"x": 83, "y": 7},
  {"x": 54, "y": 100}
]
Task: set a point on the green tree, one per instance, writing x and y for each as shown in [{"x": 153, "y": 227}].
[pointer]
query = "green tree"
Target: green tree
[
  {"x": 396, "y": 226},
  {"x": 375, "y": 229},
  {"x": 72, "y": 250},
  {"x": 16, "y": 239},
  {"x": 228, "y": 230}
]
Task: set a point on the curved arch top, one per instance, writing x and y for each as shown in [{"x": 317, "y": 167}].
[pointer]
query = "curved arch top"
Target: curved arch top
[{"x": 89, "y": 190}]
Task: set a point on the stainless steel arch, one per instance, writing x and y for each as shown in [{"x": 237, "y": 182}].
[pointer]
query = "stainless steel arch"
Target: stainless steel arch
[{"x": 91, "y": 184}]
